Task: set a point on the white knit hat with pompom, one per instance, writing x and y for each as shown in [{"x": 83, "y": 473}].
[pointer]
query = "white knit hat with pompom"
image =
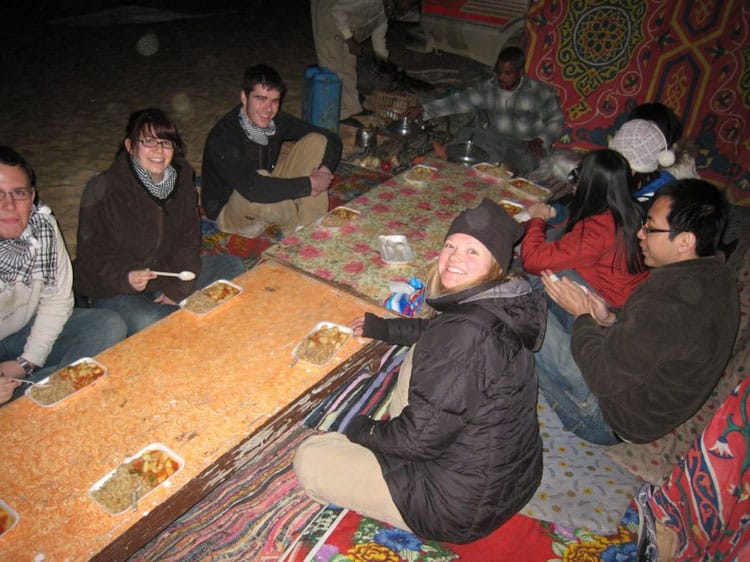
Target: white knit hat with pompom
[{"x": 644, "y": 146}]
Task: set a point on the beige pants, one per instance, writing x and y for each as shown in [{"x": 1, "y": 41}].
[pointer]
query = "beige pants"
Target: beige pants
[
  {"x": 305, "y": 156},
  {"x": 334, "y": 470}
]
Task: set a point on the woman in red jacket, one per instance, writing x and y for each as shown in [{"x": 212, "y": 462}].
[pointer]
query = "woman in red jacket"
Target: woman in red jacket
[{"x": 599, "y": 248}]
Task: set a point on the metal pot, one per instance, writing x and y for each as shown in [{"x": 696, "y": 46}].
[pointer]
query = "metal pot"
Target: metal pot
[
  {"x": 401, "y": 127},
  {"x": 466, "y": 153},
  {"x": 366, "y": 138}
]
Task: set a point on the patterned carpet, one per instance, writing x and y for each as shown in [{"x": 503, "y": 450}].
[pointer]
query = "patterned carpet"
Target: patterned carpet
[
  {"x": 339, "y": 537},
  {"x": 255, "y": 515}
]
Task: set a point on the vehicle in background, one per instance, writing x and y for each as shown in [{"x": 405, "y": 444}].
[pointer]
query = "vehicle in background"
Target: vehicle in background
[{"x": 476, "y": 29}]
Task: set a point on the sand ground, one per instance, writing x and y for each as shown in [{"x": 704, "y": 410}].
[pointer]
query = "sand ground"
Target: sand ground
[{"x": 67, "y": 91}]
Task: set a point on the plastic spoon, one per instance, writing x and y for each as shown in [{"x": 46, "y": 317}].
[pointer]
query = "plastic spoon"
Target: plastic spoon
[
  {"x": 182, "y": 275},
  {"x": 27, "y": 381}
]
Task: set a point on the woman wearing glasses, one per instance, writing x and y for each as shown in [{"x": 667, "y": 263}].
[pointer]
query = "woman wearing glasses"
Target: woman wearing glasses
[
  {"x": 140, "y": 216},
  {"x": 599, "y": 248}
]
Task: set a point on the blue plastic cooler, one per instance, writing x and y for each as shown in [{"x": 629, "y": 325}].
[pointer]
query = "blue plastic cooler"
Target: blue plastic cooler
[{"x": 321, "y": 98}]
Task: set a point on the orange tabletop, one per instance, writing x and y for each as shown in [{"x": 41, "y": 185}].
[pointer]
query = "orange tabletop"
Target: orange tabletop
[{"x": 208, "y": 388}]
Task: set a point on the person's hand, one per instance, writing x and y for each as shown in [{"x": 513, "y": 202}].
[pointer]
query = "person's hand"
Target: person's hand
[
  {"x": 139, "y": 278},
  {"x": 599, "y": 310},
  {"x": 12, "y": 369},
  {"x": 164, "y": 299},
  {"x": 542, "y": 211},
  {"x": 357, "y": 325},
  {"x": 354, "y": 47},
  {"x": 568, "y": 294},
  {"x": 7, "y": 386},
  {"x": 320, "y": 179},
  {"x": 536, "y": 147}
]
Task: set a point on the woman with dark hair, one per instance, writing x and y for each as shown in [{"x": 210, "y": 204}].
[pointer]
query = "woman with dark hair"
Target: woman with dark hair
[
  {"x": 142, "y": 215},
  {"x": 599, "y": 248},
  {"x": 460, "y": 452}
]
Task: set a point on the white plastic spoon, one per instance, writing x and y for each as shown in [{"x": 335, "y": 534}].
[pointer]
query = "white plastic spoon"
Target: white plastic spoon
[
  {"x": 182, "y": 275},
  {"x": 32, "y": 383}
]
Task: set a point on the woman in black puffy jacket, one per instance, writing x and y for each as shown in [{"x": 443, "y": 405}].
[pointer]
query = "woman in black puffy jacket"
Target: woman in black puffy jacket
[{"x": 461, "y": 451}]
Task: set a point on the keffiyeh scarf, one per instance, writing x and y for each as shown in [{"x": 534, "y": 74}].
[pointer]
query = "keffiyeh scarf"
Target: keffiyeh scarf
[
  {"x": 254, "y": 133},
  {"x": 159, "y": 190},
  {"x": 33, "y": 254}
]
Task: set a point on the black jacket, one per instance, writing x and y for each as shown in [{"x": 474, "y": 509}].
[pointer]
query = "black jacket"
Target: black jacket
[
  {"x": 465, "y": 454},
  {"x": 231, "y": 161}
]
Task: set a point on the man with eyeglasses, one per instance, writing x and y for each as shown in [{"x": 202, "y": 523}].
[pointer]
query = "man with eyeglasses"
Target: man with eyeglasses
[
  {"x": 637, "y": 373},
  {"x": 40, "y": 330},
  {"x": 245, "y": 184}
]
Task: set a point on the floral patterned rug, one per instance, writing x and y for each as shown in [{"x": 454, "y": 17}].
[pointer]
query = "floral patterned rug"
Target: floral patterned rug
[{"x": 337, "y": 535}]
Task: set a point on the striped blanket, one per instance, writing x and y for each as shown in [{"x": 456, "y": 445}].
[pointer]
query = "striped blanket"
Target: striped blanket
[{"x": 256, "y": 515}]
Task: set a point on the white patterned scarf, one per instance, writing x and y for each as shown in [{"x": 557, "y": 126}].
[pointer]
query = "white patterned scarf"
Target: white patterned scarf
[
  {"x": 32, "y": 254},
  {"x": 253, "y": 132},
  {"x": 159, "y": 190}
]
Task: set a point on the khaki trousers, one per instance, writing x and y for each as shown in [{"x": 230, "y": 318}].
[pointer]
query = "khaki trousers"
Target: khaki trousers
[
  {"x": 305, "y": 156},
  {"x": 334, "y": 470},
  {"x": 333, "y": 53}
]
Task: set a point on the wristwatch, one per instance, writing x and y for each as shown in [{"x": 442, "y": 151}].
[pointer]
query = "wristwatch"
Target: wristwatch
[{"x": 27, "y": 366}]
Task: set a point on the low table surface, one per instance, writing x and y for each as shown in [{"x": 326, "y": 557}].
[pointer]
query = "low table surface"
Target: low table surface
[
  {"x": 349, "y": 256},
  {"x": 200, "y": 385}
]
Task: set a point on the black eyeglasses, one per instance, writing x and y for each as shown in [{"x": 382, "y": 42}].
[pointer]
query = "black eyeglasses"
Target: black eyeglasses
[
  {"x": 649, "y": 230},
  {"x": 17, "y": 194},
  {"x": 153, "y": 143}
]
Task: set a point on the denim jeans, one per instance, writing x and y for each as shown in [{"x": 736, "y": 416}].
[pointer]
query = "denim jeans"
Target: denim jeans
[
  {"x": 139, "y": 310},
  {"x": 566, "y": 390},
  {"x": 86, "y": 333},
  {"x": 565, "y": 318}
]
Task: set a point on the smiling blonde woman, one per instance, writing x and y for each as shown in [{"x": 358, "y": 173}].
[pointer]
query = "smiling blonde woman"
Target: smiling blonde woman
[{"x": 460, "y": 452}]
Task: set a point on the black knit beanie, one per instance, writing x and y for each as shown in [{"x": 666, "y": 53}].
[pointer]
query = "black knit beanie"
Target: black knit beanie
[{"x": 493, "y": 227}]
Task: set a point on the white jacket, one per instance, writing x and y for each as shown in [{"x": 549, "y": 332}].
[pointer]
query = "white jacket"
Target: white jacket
[
  {"x": 362, "y": 19},
  {"x": 52, "y": 306}
]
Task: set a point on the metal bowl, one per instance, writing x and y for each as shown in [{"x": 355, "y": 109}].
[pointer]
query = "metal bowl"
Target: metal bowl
[
  {"x": 466, "y": 153},
  {"x": 401, "y": 127}
]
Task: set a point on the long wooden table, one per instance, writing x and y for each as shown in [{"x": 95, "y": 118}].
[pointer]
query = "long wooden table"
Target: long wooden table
[
  {"x": 214, "y": 389},
  {"x": 349, "y": 257}
]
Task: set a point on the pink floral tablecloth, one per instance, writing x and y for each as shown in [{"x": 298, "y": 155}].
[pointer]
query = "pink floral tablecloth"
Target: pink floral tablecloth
[{"x": 349, "y": 256}]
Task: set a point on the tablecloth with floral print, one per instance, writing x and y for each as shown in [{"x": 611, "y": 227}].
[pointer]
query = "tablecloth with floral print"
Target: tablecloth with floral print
[{"x": 349, "y": 256}]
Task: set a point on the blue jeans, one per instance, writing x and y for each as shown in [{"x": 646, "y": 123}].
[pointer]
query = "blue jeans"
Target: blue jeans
[
  {"x": 86, "y": 333},
  {"x": 566, "y": 390},
  {"x": 139, "y": 310},
  {"x": 565, "y": 318}
]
